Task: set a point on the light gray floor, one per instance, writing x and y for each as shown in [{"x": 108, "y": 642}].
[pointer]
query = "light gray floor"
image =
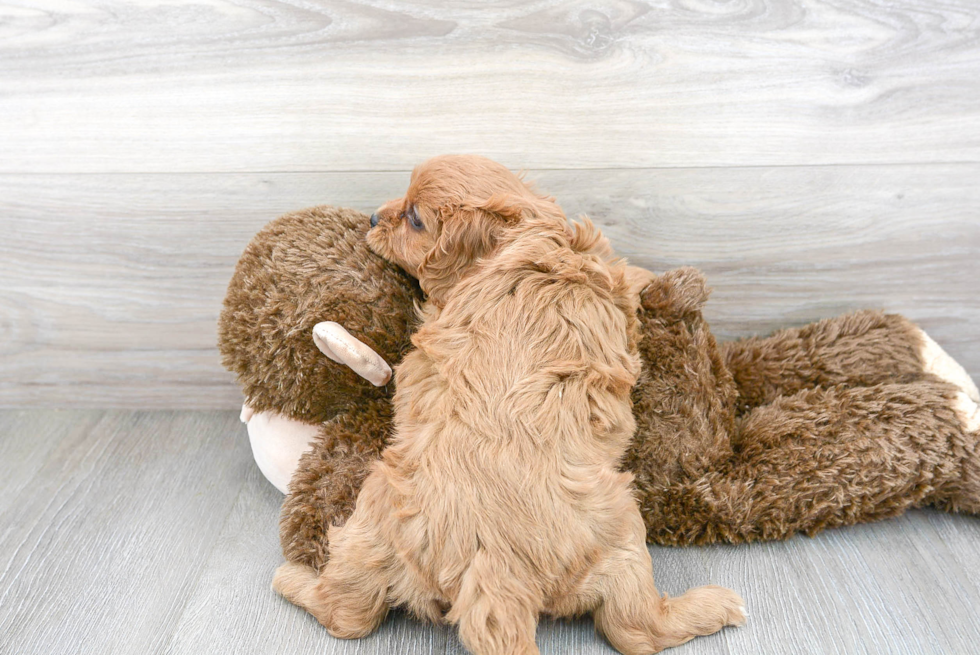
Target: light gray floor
[{"x": 153, "y": 532}]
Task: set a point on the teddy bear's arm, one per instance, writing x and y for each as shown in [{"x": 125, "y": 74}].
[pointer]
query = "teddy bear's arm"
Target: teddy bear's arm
[
  {"x": 684, "y": 400},
  {"x": 277, "y": 441},
  {"x": 324, "y": 487}
]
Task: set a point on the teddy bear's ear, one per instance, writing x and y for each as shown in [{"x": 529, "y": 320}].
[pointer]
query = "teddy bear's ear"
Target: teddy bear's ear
[{"x": 344, "y": 348}]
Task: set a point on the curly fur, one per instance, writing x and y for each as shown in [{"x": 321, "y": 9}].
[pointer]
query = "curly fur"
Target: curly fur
[
  {"x": 735, "y": 441},
  {"x": 305, "y": 267},
  {"x": 500, "y": 495},
  {"x": 826, "y": 425}
]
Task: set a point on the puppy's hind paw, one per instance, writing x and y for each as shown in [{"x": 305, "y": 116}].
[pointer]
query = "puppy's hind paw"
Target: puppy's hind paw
[
  {"x": 733, "y": 607},
  {"x": 294, "y": 582},
  {"x": 714, "y": 607}
]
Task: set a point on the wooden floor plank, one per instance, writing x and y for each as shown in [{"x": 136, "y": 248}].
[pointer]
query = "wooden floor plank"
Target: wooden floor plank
[
  {"x": 251, "y": 85},
  {"x": 112, "y": 284},
  {"x": 153, "y": 532},
  {"x": 888, "y": 587},
  {"x": 234, "y": 610},
  {"x": 101, "y": 549},
  {"x": 27, "y": 439}
]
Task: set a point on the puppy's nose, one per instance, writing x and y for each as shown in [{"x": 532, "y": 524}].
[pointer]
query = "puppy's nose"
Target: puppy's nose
[{"x": 374, "y": 220}]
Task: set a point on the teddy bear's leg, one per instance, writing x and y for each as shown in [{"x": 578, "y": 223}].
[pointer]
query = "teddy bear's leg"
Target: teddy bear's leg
[
  {"x": 826, "y": 457},
  {"x": 937, "y": 362},
  {"x": 277, "y": 443},
  {"x": 962, "y": 494},
  {"x": 859, "y": 349}
]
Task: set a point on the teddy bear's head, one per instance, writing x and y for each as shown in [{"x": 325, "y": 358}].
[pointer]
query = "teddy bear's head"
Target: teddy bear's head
[{"x": 303, "y": 268}]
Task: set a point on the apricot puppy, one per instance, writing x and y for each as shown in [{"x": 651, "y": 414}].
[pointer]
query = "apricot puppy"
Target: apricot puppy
[{"x": 500, "y": 496}]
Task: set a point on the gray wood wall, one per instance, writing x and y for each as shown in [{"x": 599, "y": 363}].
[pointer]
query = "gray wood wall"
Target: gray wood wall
[{"x": 813, "y": 157}]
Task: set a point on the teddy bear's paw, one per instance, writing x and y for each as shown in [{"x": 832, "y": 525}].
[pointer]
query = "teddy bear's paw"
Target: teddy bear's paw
[
  {"x": 676, "y": 292},
  {"x": 936, "y": 361}
]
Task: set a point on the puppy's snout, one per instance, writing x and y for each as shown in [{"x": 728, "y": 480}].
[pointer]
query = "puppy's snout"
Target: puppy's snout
[{"x": 374, "y": 220}]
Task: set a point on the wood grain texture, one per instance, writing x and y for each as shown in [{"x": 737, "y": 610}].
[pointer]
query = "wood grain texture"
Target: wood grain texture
[
  {"x": 110, "y": 285},
  {"x": 113, "y": 516},
  {"x": 361, "y": 85},
  {"x": 153, "y": 532},
  {"x": 233, "y": 609}
]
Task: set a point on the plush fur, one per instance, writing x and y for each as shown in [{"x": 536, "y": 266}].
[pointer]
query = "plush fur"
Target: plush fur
[
  {"x": 838, "y": 422},
  {"x": 831, "y": 424},
  {"x": 305, "y": 267},
  {"x": 302, "y": 268},
  {"x": 500, "y": 495}
]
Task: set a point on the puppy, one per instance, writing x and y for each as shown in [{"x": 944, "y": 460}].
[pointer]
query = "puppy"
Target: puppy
[{"x": 500, "y": 496}]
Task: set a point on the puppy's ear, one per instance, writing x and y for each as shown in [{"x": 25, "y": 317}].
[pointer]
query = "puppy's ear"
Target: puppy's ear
[
  {"x": 514, "y": 208},
  {"x": 473, "y": 230},
  {"x": 467, "y": 234}
]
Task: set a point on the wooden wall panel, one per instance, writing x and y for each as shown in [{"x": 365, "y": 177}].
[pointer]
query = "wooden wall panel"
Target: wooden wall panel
[
  {"x": 112, "y": 284},
  {"x": 258, "y": 85}
]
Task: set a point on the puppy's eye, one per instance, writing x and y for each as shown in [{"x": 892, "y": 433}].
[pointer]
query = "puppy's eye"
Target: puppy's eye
[{"x": 413, "y": 218}]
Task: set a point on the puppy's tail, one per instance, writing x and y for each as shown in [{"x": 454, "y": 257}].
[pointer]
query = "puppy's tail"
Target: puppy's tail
[{"x": 496, "y": 615}]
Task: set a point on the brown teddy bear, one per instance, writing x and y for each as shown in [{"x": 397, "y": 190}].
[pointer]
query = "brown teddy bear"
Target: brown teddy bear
[{"x": 850, "y": 419}]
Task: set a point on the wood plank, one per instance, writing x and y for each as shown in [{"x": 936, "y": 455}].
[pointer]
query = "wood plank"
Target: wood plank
[
  {"x": 112, "y": 284},
  {"x": 898, "y": 587},
  {"x": 234, "y": 610},
  {"x": 888, "y": 587},
  {"x": 152, "y": 532},
  {"x": 101, "y": 549},
  {"x": 27, "y": 439},
  {"x": 259, "y": 85}
]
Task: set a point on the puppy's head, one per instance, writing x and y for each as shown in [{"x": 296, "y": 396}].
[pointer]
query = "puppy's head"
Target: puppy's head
[{"x": 454, "y": 212}]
